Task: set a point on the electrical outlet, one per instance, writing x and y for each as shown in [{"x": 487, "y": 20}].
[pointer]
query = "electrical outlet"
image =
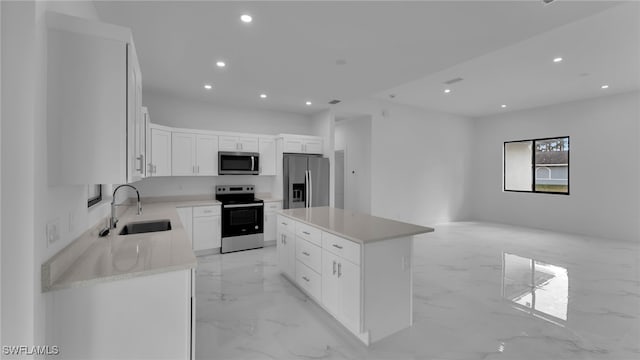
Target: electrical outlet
[{"x": 53, "y": 231}]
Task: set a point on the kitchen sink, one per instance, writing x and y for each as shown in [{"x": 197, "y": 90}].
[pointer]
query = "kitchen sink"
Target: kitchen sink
[{"x": 146, "y": 227}]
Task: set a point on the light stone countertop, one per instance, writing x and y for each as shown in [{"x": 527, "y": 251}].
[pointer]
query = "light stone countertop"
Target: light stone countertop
[
  {"x": 357, "y": 227},
  {"x": 90, "y": 259}
]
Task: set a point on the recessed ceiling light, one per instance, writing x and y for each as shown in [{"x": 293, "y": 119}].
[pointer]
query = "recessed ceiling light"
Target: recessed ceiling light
[
  {"x": 308, "y": 103},
  {"x": 557, "y": 60},
  {"x": 208, "y": 86},
  {"x": 221, "y": 64},
  {"x": 446, "y": 91},
  {"x": 503, "y": 106},
  {"x": 246, "y": 18},
  {"x": 604, "y": 87},
  {"x": 263, "y": 96}
]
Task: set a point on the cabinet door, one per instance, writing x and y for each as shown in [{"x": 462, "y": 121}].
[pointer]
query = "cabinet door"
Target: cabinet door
[
  {"x": 217, "y": 234},
  {"x": 349, "y": 294},
  {"x": 267, "y": 156},
  {"x": 269, "y": 226},
  {"x": 186, "y": 217},
  {"x": 160, "y": 161},
  {"x": 330, "y": 283},
  {"x": 293, "y": 146},
  {"x": 204, "y": 230},
  {"x": 228, "y": 143},
  {"x": 183, "y": 153},
  {"x": 248, "y": 144},
  {"x": 207, "y": 155},
  {"x": 313, "y": 146}
]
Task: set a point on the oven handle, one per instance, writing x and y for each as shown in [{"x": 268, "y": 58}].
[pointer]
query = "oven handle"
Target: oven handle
[{"x": 241, "y": 205}]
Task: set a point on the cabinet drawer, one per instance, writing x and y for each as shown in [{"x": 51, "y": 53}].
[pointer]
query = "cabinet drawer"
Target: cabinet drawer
[
  {"x": 286, "y": 224},
  {"x": 341, "y": 247},
  {"x": 309, "y": 254},
  {"x": 309, "y": 233},
  {"x": 273, "y": 206},
  {"x": 308, "y": 280},
  {"x": 199, "y": 211}
]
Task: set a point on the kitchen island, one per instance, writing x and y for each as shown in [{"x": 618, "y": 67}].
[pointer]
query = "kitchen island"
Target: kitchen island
[{"x": 355, "y": 266}]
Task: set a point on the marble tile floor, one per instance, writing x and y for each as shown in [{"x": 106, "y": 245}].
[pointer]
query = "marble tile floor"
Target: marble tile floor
[{"x": 481, "y": 291}]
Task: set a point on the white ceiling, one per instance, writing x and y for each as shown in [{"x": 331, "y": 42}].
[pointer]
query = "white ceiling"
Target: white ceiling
[{"x": 501, "y": 48}]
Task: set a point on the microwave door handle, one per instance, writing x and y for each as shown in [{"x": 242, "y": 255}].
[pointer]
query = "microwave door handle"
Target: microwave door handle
[{"x": 252, "y": 163}]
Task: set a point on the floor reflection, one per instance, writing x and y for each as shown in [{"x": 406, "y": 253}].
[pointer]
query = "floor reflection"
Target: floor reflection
[{"x": 536, "y": 287}]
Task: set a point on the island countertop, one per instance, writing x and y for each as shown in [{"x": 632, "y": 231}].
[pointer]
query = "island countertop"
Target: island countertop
[{"x": 355, "y": 226}]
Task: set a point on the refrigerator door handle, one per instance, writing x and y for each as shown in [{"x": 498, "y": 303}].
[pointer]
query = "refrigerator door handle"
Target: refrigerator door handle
[
  {"x": 310, "y": 190},
  {"x": 306, "y": 181}
]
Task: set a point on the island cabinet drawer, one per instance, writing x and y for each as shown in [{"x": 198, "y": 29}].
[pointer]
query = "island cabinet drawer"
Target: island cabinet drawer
[
  {"x": 309, "y": 233},
  {"x": 347, "y": 249},
  {"x": 309, "y": 280},
  {"x": 309, "y": 254},
  {"x": 199, "y": 211},
  {"x": 286, "y": 224}
]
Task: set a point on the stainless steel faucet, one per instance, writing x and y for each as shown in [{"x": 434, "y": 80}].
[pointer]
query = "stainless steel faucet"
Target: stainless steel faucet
[{"x": 113, "y": 221}]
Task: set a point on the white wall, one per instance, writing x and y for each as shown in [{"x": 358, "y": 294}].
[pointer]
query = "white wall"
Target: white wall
[
  {"x": 177, "y": 112},
  {"x": 354, "y": 137},
  {"x": 420, "y": 162},
  {"x": 324, "y": 126},
  {"x": 604, "y": 168},
  {"x": 28, "y": 202}
]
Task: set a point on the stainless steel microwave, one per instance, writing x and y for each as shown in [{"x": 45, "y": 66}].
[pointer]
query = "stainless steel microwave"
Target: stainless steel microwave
[{"x": 238, "y": 163}]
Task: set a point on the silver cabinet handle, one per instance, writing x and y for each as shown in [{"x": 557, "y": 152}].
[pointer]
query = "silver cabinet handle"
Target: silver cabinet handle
[
  {"x": 305, "y": 278},
  {"x": 141, "y": 160},
  {"x": 284, "y": 223},
  {"x": 334, "y": 267},
  {"x": 305, "y": 253},
  {"x": 155, "y": 169},
  {"x": 284, "y": 238},
  {"x": 339, "y": 269},
  {"x": 337, "y": 246},
  {"x": 306, "y": 233}
]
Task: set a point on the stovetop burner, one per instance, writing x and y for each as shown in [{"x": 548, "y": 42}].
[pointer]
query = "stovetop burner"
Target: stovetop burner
[{"x": 236, "y": 194}]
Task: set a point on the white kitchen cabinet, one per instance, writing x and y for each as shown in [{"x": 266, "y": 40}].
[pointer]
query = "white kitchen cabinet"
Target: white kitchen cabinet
[
  {"x": 286, "y": 247},
  {"x": 159, "y": 159},
  {"x": 206, "y": 227},
  {"x": 341, "y": 289},
  {"x": 143, "y": 317},
  {"x": 238, "y": 143},
  {"x": 270, "y": 219},
  {"x": 302, "y": 144},
  {"x": 267, "y": 147},
  {"x": 194, "y": 154},
  {"x": 90, "y": 67},
  {"x": 186, "y": 218},
  {"x": 135, "y": 120}
]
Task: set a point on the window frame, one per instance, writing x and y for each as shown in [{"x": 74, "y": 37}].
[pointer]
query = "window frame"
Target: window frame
[
  {"x": 96, "y": 199},
  {"x": 533, "y": 166}
]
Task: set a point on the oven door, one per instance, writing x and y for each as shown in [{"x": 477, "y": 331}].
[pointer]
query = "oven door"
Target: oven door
[
  {"x": 238, "y": 163},
  {"x": 242, "y": 219}
]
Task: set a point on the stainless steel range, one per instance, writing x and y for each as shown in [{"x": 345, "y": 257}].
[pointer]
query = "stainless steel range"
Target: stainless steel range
[{"x": 242, "y": 218}]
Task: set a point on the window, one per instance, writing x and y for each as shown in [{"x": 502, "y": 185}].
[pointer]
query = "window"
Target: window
[
  {"x": 540, "y": 165},
  {"x": 94, "y": 195}
]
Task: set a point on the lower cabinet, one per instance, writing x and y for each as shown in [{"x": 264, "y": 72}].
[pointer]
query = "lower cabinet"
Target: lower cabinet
[
  {"x": 270, "y": 220},
  {"x": 145, "y": 317},
  {"x": 341, "y": 289},
  {"x": 202, "y": 225},
  {"x": 286, "y": 247}
]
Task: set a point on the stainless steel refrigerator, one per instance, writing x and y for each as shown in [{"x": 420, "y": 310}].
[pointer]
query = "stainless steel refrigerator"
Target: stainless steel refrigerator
[{"x": 305, "y": 180}]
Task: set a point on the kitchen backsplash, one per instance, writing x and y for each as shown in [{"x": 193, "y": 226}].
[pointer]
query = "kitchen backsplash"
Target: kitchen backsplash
[{"x": 194, "y": 185}]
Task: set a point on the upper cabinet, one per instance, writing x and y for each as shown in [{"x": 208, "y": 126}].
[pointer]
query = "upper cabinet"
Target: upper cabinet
[
  {"x": 267, "y": 148},
  {"x": 93, "y": 103},
  {"x": 159, "y": 159},
  {"x": 194, "y": 154},
  {"x": 238, "y": 143},
  {"x": 302, "y": 144}
]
